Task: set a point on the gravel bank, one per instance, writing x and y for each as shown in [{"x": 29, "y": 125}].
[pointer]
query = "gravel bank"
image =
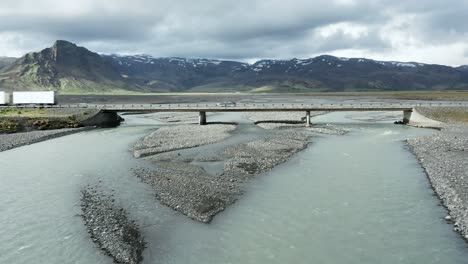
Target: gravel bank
[
  {"x": 444, "y": 156},
  {"x": 9, "y": 141},
  {"x": 191, "y": 190},
  {"x": 179, "y": 137},
  {"x": 109, "y": 227}
]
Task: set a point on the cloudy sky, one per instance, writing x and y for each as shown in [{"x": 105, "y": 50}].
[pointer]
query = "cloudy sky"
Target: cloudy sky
[{"x": 431, "y": 31}]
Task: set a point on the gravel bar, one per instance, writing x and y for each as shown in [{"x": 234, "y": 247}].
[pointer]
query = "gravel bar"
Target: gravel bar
[
  {"x": 444, "y": 156},
  {"x": 244, "y": 161},
  {"x": 9, "y": 141},
  {"x": 191, "y": 190},
  {"x": 179, "y": 137},
  {"x": 109, "y": 227}
]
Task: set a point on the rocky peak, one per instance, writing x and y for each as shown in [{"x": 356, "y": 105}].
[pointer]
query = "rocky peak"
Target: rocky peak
[
  {"x": 67, "y": 53},
  {"x": 64, "y": 44}
]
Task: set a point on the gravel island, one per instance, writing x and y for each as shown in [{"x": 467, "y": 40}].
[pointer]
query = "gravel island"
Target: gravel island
[{"x": 185, "y": 181}]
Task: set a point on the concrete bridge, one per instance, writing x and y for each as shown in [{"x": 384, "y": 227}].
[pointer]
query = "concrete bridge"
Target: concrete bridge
[{"x": 203, "y": 108}]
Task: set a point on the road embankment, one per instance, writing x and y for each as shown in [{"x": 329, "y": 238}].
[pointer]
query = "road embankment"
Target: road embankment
[
  {"x": 26, "y": 127},
  {"x": 25, "y": 120}
]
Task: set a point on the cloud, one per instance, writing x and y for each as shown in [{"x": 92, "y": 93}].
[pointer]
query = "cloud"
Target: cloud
[{"x": 242, "y": 29}]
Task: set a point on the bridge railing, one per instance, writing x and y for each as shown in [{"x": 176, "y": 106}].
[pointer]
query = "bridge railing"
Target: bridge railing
[
  {"x": 274, "y": 106},
  {"x": 246, "y": 106}
]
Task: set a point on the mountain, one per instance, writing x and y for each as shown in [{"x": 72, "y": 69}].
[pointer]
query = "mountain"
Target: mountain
[
  {"x": 64, "y": 66},
  {"x": 67, "y": 67},
  {"x": 6, "y": 62},
  {"x": 322, "y": 73},
  {"x": 319, "y": 73},
  {"x": 175, "y": 74}
]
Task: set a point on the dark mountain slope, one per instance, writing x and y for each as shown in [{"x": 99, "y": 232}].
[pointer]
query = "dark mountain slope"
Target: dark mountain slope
[{"x": 64, "y": 66}]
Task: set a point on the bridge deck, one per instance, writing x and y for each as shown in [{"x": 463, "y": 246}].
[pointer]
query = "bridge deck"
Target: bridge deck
[{"x": 253, "y": 107}]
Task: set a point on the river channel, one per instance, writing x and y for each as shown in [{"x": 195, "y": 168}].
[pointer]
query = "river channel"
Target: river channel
[{"x": 357, "y": 198}]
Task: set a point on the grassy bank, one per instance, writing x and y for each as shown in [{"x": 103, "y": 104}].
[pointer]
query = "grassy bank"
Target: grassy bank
[
  {"x": 404, "y": 95},
  {"x": 31, "y": 113},
  {"x": 22, "y": 120}
]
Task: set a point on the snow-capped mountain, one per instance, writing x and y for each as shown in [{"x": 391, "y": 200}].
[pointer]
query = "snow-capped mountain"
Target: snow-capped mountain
[{"x": 77, "y": 68}]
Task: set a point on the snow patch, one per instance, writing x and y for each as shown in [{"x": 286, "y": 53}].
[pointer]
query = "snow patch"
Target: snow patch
[{"x": 403, "y": 64}]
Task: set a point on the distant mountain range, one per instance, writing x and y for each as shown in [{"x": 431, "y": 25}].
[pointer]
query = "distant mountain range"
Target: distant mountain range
[{"x": 67, "y": 67}]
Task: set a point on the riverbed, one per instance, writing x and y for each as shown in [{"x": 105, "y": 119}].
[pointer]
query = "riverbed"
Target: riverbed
[{"x": 355, "y": 198}]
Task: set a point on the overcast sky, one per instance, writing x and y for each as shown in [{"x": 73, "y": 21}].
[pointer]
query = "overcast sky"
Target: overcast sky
[{"x": 431, "y": 31}]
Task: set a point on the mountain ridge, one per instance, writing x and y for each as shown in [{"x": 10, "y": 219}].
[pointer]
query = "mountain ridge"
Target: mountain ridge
[
  {"x": 6, "y": 62},
  {"x": 68, "y": 67}
]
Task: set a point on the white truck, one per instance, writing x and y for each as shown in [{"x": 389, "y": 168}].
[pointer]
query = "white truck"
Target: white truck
[
  {"x": 4, "y": 98},
  {"x": 42, "y": 97}
]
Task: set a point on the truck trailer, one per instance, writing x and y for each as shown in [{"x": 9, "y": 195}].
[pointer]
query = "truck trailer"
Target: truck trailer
[
  {"x": 42, "y": 97},
  {"x": 4, "y": 98}
]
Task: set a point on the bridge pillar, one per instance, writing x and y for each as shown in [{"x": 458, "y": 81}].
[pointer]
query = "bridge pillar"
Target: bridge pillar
[
  {"x": 407, "y": 116},
  {"x": 307, "y": 118},
  {"x": 202, "y": 118}
]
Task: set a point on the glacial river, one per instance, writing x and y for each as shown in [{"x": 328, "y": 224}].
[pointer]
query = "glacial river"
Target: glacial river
[{"x": 358, "y": 198}]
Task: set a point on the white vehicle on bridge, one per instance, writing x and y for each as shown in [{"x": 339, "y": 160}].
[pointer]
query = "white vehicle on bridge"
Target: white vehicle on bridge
[
  {"x": 4, "y": 98},
  {"x": 226, "y": 104},
  {"x": 40, "y": 97}
]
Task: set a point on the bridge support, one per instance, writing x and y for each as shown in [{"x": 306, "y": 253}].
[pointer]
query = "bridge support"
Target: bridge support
[
  {"x": 307, "y": 118},
  {"x": 202, "y": 118},
  {"x": 407, "y": 116}
]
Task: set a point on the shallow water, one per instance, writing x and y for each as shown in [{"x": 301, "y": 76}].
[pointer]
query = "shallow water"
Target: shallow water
[{"x": 358, "y": 198}]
